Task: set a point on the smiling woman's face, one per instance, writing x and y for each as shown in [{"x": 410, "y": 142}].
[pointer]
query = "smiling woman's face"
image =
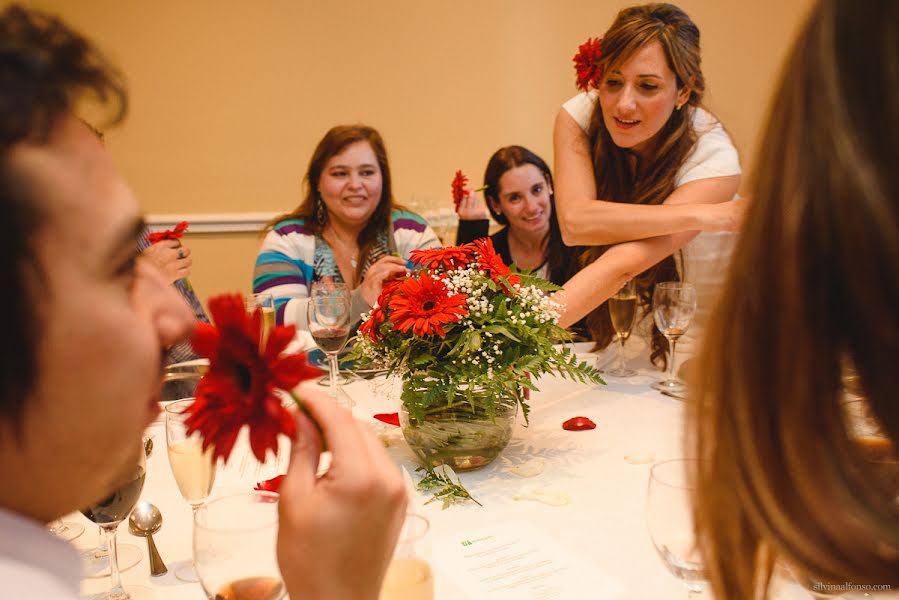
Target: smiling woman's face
[
  {"x": 637, "y": 99},
  {"x": 351, "y": 184}
]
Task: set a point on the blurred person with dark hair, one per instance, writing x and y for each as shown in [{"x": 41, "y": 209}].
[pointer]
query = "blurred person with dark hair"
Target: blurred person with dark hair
[{"x": 85, "y": 325}]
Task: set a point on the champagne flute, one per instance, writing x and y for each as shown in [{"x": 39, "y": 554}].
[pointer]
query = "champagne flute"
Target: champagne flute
[
  {"x": 265, "y": 302},
  {"x": 409, "y": 576},
  {"x": 670, "y": 521},
  {"x": 234, "y": 547},
  {"x": 673, "y": 305},
  {"x": 112, "y": 510},
  {"x": 193, "y": 468},
  {"x": 623, "y": 311},
  {"x": 328, "y": 316}
]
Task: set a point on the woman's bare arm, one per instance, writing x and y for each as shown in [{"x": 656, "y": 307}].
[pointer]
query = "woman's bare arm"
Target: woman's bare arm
[{"x": 586, "y": 221}]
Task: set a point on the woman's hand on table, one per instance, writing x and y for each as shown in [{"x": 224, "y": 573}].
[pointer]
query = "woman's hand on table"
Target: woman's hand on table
[
  {"x": 337, "y": 532},
  {"x": 377, "y": 273}
]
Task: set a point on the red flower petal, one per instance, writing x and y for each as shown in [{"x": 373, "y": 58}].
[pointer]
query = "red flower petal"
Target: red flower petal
[
  {"x": 270, "y": 485},
  {"x": 168, "y": 234},
  {"x": 578, "y": 424},
  {"x": 389, "y": 418}
]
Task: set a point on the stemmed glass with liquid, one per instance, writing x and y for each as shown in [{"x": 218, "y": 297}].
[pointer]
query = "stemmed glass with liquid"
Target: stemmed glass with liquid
[
  {"x": 265, "y": 302},
  {"x": 328, "y": 316},
  {"x": 623, "y": 311},
  {"x": 193, "y": 468},
  {"x": 235, "y": 547},
  {"x": 669, "y": 518},
  {"x": 673, "y": 305},
  {"x": 112, "y": 510},
  {"x": 409, "y": 576}
]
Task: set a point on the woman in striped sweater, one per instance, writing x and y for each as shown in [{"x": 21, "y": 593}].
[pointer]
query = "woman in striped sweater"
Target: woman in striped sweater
[{"x": 347, "y": 228}]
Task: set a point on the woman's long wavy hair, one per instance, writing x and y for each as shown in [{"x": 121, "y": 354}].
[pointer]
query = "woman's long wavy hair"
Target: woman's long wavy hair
[
  {"x": 814, "y": 284},
  {"x": 334, "y": 142},
  {"x": 652, "y": 179},
  {"x": 561, "y": 259}
]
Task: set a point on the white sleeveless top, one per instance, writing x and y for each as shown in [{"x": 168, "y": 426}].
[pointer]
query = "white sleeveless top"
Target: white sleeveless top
[{"x": 702, "y": 262}]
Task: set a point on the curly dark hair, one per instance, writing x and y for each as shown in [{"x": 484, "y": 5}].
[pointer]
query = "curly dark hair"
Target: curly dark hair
[{"x": 45, "y": 68}]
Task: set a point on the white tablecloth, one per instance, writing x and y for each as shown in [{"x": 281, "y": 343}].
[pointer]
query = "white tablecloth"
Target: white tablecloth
[{"x": 603, "y": 524}]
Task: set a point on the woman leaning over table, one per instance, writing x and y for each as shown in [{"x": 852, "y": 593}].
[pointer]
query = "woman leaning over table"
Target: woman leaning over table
[
  {"x": 347, "y": 228},
  {"x": 814, "y": 285},
  {"x": 662, "y": 167}
]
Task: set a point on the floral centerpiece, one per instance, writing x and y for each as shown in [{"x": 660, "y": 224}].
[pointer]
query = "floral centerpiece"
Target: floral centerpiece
[{"x": 467, "y": 335}]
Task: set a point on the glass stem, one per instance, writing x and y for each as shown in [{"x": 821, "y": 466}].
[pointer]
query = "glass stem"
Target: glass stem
[
  {"x": 115, "y": 580},
  {"x": 619, "y": 364},
  {"x": 333, "y": 368},
  {"x": 671, "y": 376},
  {"x": 102, "y": 544}
]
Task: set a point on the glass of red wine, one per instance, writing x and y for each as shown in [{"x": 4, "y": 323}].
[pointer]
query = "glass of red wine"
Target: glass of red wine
[
  {"x": 234, "y": 547},
  {"x": 112, "y": 510},
  {"x": 328, "y": 316}
]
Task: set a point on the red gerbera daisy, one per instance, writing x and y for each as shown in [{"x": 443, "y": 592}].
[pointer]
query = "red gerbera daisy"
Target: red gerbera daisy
[
  {"x": 459, "y": 192},
  {"x": 168, "y": 234},
  {"x": 489, "y": 261},
  {"x": 586, "y": 64},
  {"x": 450, "y": 257},
  {"x": 239, "y": 388},
  {"x": 423, "y": 304}
]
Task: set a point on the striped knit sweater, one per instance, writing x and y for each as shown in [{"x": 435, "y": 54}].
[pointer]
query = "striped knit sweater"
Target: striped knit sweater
[{"x": 292, "y": 258}]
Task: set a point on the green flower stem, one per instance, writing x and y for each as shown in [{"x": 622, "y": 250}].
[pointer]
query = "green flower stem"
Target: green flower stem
[{"x": 302, "y": 407}]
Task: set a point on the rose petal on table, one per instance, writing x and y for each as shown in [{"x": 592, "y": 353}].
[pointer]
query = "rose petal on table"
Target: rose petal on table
[
  {"x": 578, "y": 424},
  {"x": 530, "y": 468},
  {"x": 270, "y": 485},
  {"x": 389, "y": 418},
  {"x": 640, "y": 458},
  {"x": 543, "y": 495}
]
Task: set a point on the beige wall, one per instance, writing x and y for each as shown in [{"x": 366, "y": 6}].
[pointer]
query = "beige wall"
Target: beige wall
[{"x": 230, "y": 97}]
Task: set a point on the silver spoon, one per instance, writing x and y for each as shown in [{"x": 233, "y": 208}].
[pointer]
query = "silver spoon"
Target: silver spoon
[{"x": 146, "y": 520}]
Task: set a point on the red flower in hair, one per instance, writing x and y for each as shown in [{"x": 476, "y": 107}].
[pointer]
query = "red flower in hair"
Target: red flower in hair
[
  {"x": 422, "y": 305},
  {"x": 450, "y": 257},
  {"x": 586, "y": 64},
  {"x": 168, "y": 234},
  {"x": 459, "y": 191},
  {"x": 239, "y": 388}
]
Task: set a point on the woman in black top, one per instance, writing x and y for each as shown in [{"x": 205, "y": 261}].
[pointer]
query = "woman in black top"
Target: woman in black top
[{"x": 519, "y": 195}]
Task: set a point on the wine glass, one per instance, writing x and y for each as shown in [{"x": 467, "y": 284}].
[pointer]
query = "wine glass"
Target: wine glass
[
  {"x": 193, "y": 468},
  {"x": 65, "y": 530},
  {"x": 623, "y": 311},
  {"x": 235, "y": 547},
  {"x": 265, "y": 302},
  {"x": 111, "y": 511},
  {"x": 673, "y": 305},
  {"x": 328, "y": 316},
  {"x": 670, "y": 520},
  {"x": 409, "y": 576}
]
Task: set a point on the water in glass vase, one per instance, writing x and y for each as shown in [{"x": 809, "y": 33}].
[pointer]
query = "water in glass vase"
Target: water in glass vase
[
  {"x": 117, "y": 505},
  {"x": 330, "y": 339},
  {"x": 251, "y": 588},
  {"x": 462, "y": 437},
  {"x": 194, "y": 470},
  {"x": 408, "y": 579}
]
